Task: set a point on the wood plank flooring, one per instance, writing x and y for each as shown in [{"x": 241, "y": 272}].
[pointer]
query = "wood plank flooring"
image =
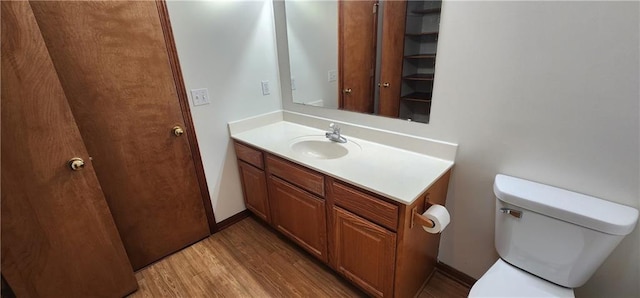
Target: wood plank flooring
[{"x": 249, "y": 259}]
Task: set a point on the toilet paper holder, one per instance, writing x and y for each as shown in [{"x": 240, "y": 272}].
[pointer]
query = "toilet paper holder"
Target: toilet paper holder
[{"x": 419, "y": 219}]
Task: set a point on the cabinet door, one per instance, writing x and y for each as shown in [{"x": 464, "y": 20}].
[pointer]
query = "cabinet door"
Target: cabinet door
[
  {"x": 254, "y": 187},
  {"x": 364, "y": 252},
  {"x": 113, "y": 63},
  {"x": 299, "y": 215},
  {"x": 58, "y": 237}
]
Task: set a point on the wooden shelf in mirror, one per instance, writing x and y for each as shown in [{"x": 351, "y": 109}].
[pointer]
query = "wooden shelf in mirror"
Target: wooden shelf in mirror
[
  {"x": 421, "y": 56},
  {"x": 427, "y": 10},
  {"x": 418, "y": 96},
  {"x": 419, "y": 77}
]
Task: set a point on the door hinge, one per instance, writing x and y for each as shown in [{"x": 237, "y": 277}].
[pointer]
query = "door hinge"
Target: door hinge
[{"x": 375, "y": 8}]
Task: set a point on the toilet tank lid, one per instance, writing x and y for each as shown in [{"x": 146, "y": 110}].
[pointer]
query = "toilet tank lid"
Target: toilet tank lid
[{"x": 587, "y": 211}]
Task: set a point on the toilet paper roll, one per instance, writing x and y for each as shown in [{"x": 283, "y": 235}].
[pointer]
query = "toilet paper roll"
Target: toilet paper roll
[{"x": 440, "y": 217}]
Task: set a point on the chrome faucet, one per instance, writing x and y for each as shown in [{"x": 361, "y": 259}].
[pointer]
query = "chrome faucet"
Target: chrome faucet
[{"x": 334, "y": 134}]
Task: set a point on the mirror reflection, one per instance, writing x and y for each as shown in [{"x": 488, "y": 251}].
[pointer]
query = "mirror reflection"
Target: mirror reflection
[{"x": 374, "y": 57}]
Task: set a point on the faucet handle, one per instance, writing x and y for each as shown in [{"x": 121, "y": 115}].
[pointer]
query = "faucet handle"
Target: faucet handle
[{"x": 334, "y": 128}]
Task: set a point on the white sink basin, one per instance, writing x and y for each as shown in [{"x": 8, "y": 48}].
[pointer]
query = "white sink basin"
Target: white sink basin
[{"x": 320, "y": 147}]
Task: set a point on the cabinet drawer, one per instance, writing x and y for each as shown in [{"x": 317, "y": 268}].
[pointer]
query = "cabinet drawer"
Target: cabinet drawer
[
  {"x": 367, "y": 206},
  {"x": 298, "y": 175},
  {"x": 249, "y": 155}
]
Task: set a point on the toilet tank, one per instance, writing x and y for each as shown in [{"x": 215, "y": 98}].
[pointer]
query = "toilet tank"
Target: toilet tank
[{"x": 556, "y": 234}]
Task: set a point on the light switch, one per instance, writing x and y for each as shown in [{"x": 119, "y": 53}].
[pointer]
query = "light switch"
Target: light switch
[
  {"x": 332, "y": 76},
  {"x": 265, "y": 88},
  {"x": 200, "y": 96}
]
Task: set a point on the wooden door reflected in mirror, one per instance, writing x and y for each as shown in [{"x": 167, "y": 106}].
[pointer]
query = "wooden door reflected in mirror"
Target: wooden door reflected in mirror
[{"x": 374, "y": 57}]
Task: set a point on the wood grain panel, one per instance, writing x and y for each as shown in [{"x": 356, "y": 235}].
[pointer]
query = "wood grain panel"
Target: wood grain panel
[
  {"x": 417, "y": 249},
  {"x": 369, "y": 207},
  {"x": 357, "y": 54},
  {"x": 58, "y": 237},
  {"x": 254, "y": 187},
  {"x": 296, "y": 174},
  {"x": 300, "y": 216},
  {"x": 364, "y": 253},
  {"x": 393, "y": 26},
  {"x": 112, "y": 61},
  {"x": 250, "y": 155}
]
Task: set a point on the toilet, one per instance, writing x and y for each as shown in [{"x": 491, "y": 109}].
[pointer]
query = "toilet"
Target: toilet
[{"x": 550, "y": 240}]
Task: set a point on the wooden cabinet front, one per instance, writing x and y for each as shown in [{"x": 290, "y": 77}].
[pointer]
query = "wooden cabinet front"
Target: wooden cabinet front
[
  {"x": 299, "y": 215},
  {"x": 364, "y": 252},
  {"x": 254, "y": 186},
  {"x": 367, "y": 238}
]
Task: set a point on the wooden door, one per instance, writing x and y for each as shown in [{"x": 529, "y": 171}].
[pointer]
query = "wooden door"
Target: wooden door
[
  {"x": 363, "y": 252},
  {"x": 357, "y": 54},
  {"x": 393, "y": 28},
  {"x": 58, "y": 237},
  {"x": 254, "y": 187},
  {"x": 299, "y": 215},
  {"x": 113, "y": 64}
]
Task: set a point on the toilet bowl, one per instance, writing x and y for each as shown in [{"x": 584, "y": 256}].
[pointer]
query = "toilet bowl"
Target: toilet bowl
[{"x": 550, "y": 240}]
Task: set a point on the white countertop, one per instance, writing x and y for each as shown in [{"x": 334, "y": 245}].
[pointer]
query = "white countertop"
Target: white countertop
[{"x": 397, "y": 174}]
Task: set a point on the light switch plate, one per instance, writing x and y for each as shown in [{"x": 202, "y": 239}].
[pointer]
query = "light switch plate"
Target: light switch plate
[
  {"x": 332, "y": 76},
  {"x": 265, "y": 88},
  {"x": 293, "y": 83},
  {"x": 200, "y": 96}
]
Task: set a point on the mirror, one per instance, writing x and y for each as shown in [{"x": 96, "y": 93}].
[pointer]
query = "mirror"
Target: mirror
[{"x": 367, "y": 56}]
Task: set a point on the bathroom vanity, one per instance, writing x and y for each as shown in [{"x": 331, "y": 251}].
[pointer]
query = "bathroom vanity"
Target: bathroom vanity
[{"x": 351, "y": 208}]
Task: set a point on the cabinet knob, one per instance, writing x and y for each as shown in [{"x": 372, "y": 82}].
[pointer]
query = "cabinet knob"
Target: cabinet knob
[
  {"x": 386, "y": 85},
  {"x": 178, "y": 131},
  {"x": 347, "y": 91},
  {"x": 76, "y": 163}
]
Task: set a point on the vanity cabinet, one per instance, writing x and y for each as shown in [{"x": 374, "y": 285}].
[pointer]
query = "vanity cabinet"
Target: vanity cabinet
[{"x": 367, "y": 238}]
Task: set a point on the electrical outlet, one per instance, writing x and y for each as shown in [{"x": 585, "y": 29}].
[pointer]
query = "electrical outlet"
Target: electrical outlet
[
  {"x": 265, "y": 88},
  {"x": 332, "y": 76},
  {"x": 200, "y": 96},
  {"x": 293, "y": 83}
]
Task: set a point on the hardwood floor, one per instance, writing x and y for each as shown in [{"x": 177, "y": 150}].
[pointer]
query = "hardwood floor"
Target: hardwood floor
[{"x": 249, "y": 259}]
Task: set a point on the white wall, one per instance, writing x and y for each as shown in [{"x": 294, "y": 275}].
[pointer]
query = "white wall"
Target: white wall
[
  {"x": 547, "y": 91},
  {"x": 229, "y": 48},
  {"x": 312, "y": 33}
]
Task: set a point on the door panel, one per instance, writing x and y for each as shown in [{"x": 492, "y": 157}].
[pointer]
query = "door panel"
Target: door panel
[
  {"x": 357, "y": 54},
  {"x": 393, "y": 27},
  {"x": 299, "y": 215},
  {"x": 58, "y": 237},
  {"x": 112, "y": 61},
  {"x": 364, "y": 252},
  {"x": 254, "y": 184}
]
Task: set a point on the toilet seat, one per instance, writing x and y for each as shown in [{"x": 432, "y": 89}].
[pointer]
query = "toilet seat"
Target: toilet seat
[{"x": 505, "y": 280}]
